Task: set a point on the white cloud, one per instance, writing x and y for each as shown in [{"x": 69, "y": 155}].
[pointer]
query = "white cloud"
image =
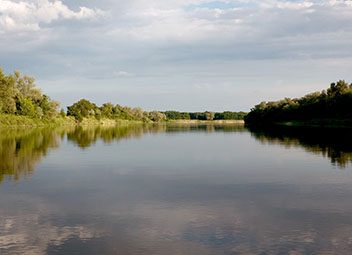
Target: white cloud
[
  {"x": 342, "y": 3},
  {"x": 121, "y": 73},
  {"x": 29, "y": 15},
  {"x": 248, "y": 20},
  {"x": 294, "y": 6}
]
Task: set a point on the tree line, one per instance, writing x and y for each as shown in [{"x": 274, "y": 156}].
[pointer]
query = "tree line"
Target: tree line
[
  {"x": 19, "y": 95},
  {"x": 86, "y": 109},
  {"x": 227, "y": 115},
  {"x": 334, "y": 103}
]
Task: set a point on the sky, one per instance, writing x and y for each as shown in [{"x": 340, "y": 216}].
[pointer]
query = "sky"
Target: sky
[{"x": 181, "y": 55}]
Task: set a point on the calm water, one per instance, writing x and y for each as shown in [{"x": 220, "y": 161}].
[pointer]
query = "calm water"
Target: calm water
[{"x": 176, "y": 190}]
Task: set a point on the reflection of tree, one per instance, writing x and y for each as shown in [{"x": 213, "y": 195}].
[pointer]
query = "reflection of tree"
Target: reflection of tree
[
  {"x": 21, "y": 150},
  {"x": 205, "y": 127},
  {"x": 84, "y": 137},
  {"x": 332, "y": 143}
]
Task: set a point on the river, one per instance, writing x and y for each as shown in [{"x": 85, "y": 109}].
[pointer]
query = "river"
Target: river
[{"x": 176, "y": 189}]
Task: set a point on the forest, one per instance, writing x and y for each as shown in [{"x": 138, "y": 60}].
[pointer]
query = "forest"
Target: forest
[
  {"x": 85, "y": 109},
  {"x": 335, "y": 103}
]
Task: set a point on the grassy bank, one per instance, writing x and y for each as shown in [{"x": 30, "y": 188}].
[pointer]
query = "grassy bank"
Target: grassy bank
[
  {"x": 7, "y": 120},
  {"x": 106, "y": 122},
  {"x": 15, "y": 121}
]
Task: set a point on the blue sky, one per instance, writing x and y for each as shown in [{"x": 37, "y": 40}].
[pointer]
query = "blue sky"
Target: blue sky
[{"x": 183, "y": 55}]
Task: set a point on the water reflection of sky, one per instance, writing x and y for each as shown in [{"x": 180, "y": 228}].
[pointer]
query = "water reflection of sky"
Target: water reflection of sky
[{"x": 179, "y": 193}]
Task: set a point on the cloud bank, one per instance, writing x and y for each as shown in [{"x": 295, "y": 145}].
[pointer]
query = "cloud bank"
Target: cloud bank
[
  {"x": 31, "y": 15},
  {"x": 229, "y": 54}
]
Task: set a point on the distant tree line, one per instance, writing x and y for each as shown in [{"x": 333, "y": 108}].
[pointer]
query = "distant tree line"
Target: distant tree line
[
  {"x": 20, "y": 96},
  {"x": 86, "y": 109},
  {"x": 227, "y": 115},
  {"x": 333, "y": 103}
]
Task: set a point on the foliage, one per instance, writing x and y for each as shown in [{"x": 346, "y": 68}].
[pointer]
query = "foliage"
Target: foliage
[
  {"x": 82, "y": 109},
  {"x": 86, "y": 109},
  {"x": 157, "y": 116},
  {"x": 335, "y": 103},
  {"x": 9, "y": 120},
  {"x": 19, "y": 96},
  {"x": 26, "y": 107},
  {"x": 230, "y": 115},
  {"x": 227, "y": 115}
]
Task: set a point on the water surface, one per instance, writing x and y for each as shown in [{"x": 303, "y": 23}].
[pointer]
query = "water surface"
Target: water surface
[{"x": 176, "y": 190}]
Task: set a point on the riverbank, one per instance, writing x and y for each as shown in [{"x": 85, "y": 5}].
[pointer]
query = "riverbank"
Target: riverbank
[
  {"x": 7, "y": 120},
  {"x": 316, "y": 123},
  {"x": 87, "y": 122},
  {"x": 16, "y": 121}
]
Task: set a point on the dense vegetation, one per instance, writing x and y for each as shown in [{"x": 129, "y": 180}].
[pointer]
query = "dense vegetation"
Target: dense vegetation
[
  {"x": 175, "y": 115},
  {"x": 22, "y": 103},
  {"x": 333, "y": 104},
  {"x": 20, "y": 96},
  {"x": 86, "y": 109}
]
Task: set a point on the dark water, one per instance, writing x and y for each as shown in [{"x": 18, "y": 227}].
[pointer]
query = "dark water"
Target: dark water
[{"x": 176, "y": 190}]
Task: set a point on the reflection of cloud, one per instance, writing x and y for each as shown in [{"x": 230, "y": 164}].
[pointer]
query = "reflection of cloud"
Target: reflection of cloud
[
  {"x": 28, "y": 234},
  {"x": 160, "y": 227},
  {"x": 234, "y": 227}
]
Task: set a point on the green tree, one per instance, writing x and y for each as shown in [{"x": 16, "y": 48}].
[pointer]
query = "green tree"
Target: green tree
[
  {"x": 107, "y": 110},
  {"x": 25, "y": 87},
  {"x": 7, "y": 93},
  {"x": 157, "y": 116},
  {"x": 209, "y": 115},
  {"x": 48, "y": 106},
  {"x": 26, "y": 107},
  {"x": 83, "y": 108}
]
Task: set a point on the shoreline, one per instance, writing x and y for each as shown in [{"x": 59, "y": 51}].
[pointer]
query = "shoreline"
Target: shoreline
[
  {"x": 17, "y": 121},
  {"x": 14, "y": 121},
  {"x": 315, "y": 123}
]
